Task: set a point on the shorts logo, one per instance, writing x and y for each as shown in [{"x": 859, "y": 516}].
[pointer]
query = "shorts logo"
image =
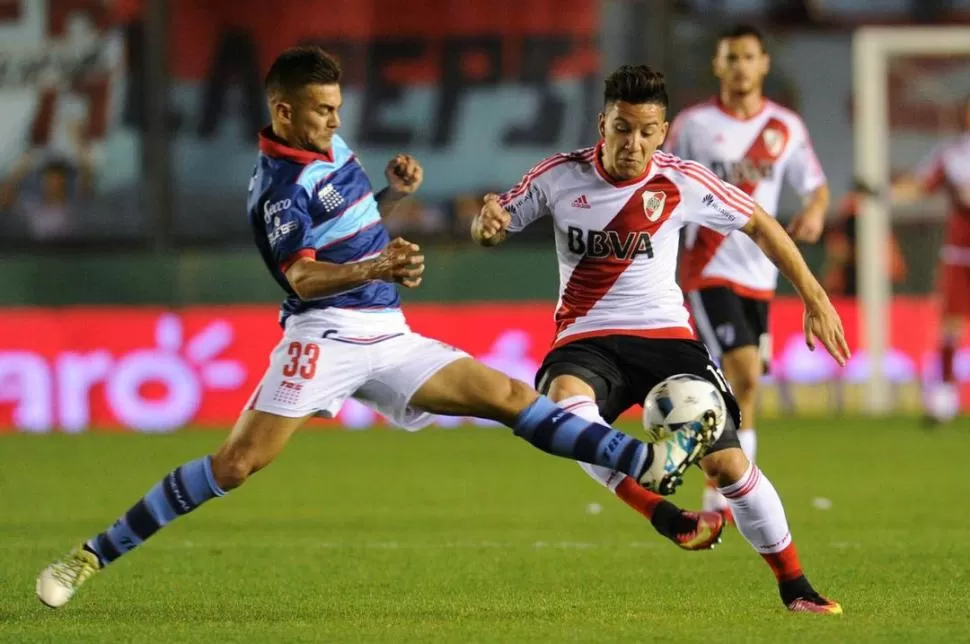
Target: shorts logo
[
  {"x": 653, "y": 204},
  {"x": 726, "y": 333},
  {"x": 288, "y": 392}
]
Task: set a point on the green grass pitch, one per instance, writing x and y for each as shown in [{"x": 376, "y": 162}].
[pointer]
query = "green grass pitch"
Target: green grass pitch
[{"x": 471, "y": 535}]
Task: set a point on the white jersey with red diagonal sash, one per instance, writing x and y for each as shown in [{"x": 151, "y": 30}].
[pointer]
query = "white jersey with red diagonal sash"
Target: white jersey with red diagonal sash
[
  {"x": 618, "y": 241},
  {"x": 754, "y": 154},
  {"x": 947, "y": 167}
]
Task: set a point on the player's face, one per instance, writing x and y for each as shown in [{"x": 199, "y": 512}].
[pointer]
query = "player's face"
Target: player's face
[
  {"x": 631, "y": 133},
  {"x": 313, "y": 116},
  {"x": 741, "y": 64}
]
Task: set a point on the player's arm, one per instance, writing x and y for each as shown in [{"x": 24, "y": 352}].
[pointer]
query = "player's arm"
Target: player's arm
[
  {"x": 491, "y": 226},
  {"x": 404, "y": 176},
  {"x": 288, "y": 229},
  {"x": 809, "y": 224},
  {"x": 724, "y": 208},
  {"x": 400, "y": 262},
  {"x": 821, "y": 320},
  {"x": 924, "y": 180},
  {"x": 906, "y": 189},
  {"x": 804, "y": 174},
  {"x": 513, "y": 210}
]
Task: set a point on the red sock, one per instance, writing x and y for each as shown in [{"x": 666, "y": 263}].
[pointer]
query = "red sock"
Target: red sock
[
  {"x": 946, "y": 359},
  {"x": 784, "y": 564},
  {"x": 642, "y": 500}
]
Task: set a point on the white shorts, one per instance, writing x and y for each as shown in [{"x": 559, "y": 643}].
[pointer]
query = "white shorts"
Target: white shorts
[{"x": 328, "y": 356}]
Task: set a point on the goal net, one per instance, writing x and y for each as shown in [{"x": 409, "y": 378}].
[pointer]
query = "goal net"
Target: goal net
[{"x": 908, "y": 83}]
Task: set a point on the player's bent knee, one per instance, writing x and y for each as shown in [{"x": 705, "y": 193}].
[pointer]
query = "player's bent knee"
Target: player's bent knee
[
  {"x": 253, "y": 444},
  {"x": 726, "y": 466},
  {"x": 516, "y": 396},
  {"x": 567, "y": 386},
  {"x": 230, "y": 469},
  {"x": 506, "y": 400}
]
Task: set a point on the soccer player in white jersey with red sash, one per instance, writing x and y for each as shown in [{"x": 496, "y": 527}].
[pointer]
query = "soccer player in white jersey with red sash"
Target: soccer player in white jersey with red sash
[
  {"x": 621, "y": 325},
  {"x": 947, "y": 168},
  {"x": 755, "y": 145}
]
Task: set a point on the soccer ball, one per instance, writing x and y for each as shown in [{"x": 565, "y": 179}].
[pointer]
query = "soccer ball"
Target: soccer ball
[{"x": 678, "y": 401}]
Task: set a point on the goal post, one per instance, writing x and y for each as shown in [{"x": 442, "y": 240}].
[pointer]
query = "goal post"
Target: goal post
[{"x": 872, "y": 47}]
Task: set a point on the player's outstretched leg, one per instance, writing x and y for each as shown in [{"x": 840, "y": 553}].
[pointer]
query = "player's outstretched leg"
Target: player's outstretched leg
[
  {"x": 760, "y": 518},
  {"x": 942, "y": 399},
  {"x": 466, "y": 387},
  {"x": 255, "y": 441},
  {"x": 689, "y": 530}
]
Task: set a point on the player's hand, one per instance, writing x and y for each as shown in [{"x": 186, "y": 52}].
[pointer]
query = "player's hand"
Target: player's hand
[
  {"x": 822, "y": 323},
  {"x": 493, "y": 220},
  {"x": 401, "y": 262},
  {"x": 807, "y": 228},
  {"x": 404, "y": 175}
]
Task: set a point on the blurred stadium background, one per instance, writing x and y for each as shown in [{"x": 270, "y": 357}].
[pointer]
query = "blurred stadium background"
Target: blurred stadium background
[{"x": 132, "y": 301}]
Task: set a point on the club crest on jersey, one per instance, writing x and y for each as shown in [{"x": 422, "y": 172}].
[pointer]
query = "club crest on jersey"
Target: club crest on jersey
[
  {"x": 653, "y": 204},
  {"x": 774, "y": 141}
]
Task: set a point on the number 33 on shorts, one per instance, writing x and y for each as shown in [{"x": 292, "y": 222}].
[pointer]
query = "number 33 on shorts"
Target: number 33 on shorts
[
  {"x": 303, "y": 360},
  {"x": 304, "y": 377}
]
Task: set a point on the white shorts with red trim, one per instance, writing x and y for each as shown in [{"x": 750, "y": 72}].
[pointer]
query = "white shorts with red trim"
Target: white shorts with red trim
[{"x": 326, "y": 357}]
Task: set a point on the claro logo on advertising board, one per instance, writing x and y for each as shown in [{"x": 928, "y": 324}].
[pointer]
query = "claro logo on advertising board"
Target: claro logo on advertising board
[{"x": 155, "y": 388}]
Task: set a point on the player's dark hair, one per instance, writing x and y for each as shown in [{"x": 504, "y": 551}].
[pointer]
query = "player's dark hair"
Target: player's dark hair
[
  {"x": 636, "y": 84},
  {"x": 742, "y": 31},
  {"x": 298, "y": 67}
]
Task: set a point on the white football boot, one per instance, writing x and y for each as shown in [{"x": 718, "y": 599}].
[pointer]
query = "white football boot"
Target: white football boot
[
  {"x": 58, "y": 582},
  {"x": 672, "y": 457}
]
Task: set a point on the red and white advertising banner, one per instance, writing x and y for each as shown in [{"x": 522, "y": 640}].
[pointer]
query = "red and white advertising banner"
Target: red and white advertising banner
[{"x": 158, "y": 370}]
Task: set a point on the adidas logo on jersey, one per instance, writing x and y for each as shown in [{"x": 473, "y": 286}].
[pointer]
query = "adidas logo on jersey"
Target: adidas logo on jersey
[{"x": 581, "y": 202}]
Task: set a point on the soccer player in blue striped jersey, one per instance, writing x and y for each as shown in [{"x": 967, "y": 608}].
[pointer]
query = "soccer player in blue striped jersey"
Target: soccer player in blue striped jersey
[{"x": 317, "y": 224}]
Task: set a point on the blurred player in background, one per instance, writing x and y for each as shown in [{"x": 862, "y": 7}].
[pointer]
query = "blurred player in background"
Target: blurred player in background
[
  {"x": 947, "y": 167},
  {"x": 621, "y": 324},
  {"x": 754, "y": 144},
  {"x": 318, "y": 227}
]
